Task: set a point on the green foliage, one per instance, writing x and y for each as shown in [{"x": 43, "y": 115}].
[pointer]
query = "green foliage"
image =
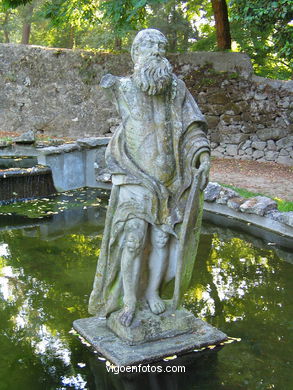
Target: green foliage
[{"x": 263, "y": 29}]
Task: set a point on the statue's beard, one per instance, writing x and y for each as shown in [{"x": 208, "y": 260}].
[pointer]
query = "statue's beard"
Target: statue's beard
[{"x": 153, "y": 76}]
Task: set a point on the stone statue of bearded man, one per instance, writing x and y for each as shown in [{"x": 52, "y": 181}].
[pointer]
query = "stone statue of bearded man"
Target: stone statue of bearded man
[{"x": 156, "y": 155}]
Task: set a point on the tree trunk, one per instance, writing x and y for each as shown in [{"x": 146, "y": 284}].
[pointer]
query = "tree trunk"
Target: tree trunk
[
  {"x": 71, "y": 38},
  {"x": 26, "y": 31},
  {"x": 5, "y": 27},
  {"x": 27, "y": 22},
  {"x": 222, "y": 24},
  {"x": 118, "y": 44}
]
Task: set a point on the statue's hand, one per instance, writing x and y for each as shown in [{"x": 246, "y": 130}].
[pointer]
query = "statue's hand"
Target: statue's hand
[{"x": 204, "y": 170}]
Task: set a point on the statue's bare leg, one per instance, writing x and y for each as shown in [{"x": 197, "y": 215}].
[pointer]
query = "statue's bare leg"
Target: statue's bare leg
[
  {"x": 157, "y": 267},
  {"x": 130, "y": 263}
]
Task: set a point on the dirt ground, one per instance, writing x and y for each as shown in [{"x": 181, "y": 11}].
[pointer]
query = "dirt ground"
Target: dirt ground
[{"x": 268, "y": 178}]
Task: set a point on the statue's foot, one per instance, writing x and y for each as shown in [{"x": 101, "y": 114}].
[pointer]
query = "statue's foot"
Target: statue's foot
[
  {"x": 156, "y": 304},
  {"x": 127, "y": 315}
]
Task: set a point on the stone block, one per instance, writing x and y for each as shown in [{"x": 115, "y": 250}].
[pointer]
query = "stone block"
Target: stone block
[
  {"x": 259, "y": 205},
  {"x": 284, "y": 152},
  {"x": 271, "y": 133},
  {"x": 93, "y": 142},
  {"x": 235, "y": 202},
  {"x": 212, "y": 120},
  {"x": 232, "y": 150},
  {"x": 246, "y": 145},
  {"x": 104, "y": 341},
  {"x": 212, "y": 191},
  {"x": 257, "y": 154},
  {"x": 286, "y": 160},
  {"x": 284, "y": 142},
  {"x": 218, "y": 98},
  {"x": 258, "y": 145},
  {"x": 148, "y": 327},
  {"x": 225, "y": 194},
  {"x": 271, "y": 155},
  {"x": 271, "y": 145}
]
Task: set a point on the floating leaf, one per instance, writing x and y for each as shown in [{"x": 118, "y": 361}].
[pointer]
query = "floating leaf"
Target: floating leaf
[{"x": 166, "y": 359}]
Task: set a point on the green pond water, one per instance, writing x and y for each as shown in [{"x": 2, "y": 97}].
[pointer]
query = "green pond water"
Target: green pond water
[{"x": 48, "y": 254}]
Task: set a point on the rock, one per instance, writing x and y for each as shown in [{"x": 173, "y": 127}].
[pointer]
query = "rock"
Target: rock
[
  {"x": 26, "y": 138},
  {"x": 232, "y": 150},
  {"x": 286, "y": 160},
  {"x": 4, "y": 144},
  {"x": 92, "y": 142},
  {"x": 258, "y": 154},
  {"x": 271, "y": 145},
  {"x": 271, "y": 156},
  {"x": 271, "y": 133},
  {"x": 246, "y": 145},
  {"x": 225, "y": 194},
  {"x": 212, "y": 191},
  {"x": 287, "y": 218},
  {"x": 259, "y": 145},
  {"x": 230, "y": 119},
  {"x": 284, "y": 142},
  {"x": 284, "y": 152},
  {"x": 212, "y": 120},
  {"x": 234, "y": 138},
  {"x": 248, "y": 151},
  {"x": 259, "y": 205},
  {"x": 260, "y": 96},
  {"x": 236, "y": 202},
  {"x": 218, "y": 98},
  {"x": 274, "y": 214}
]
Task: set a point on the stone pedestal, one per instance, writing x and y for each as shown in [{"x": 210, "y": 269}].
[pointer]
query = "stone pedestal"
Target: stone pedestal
[
  {"x": 161, "y": 339},
  {"x": 147, "y": 326}
]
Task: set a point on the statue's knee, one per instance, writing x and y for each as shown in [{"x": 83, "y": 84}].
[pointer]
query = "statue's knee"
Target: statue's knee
[
  {"x": 134, "y": 235},
  {"x": 159, "y": 238}
]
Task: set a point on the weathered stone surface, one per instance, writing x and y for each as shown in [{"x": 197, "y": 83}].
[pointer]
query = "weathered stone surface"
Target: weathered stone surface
[
  {"x": 212, "y": 191},
  {"x": 257, "y": 154},
  {"x": 219, "y": 98},
  {"x": 93, "y": 141},
  {"x": 284, "y": 142},
  {"x": 141, "y": 155},
  {"x": 225, "y": 194},
  {"x": 104, "y": 341},
  {"x": 287, "y": 218},
  {"x": 271, "y": 145},
  {"x": 54, "y": 91},
  {"x": 259, "y": 205},
  {"x": 26, "y": 138},
  {"x": 258, "y": 145},
  {"x": 232, "y": 150},
  {"x": 150, "y": 327},
  {"x": 286, "y": 160},
  {"x": 235, "y": 202},
  {"x": 271, "y": 133},
  {"x": 271, "y": 156}
]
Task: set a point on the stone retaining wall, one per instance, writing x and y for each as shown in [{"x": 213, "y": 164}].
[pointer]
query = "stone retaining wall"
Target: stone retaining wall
[{"x": 55, "y": 92}]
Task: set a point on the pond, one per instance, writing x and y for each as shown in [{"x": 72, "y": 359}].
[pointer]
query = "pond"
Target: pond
[{"x": 48, "y": 254}]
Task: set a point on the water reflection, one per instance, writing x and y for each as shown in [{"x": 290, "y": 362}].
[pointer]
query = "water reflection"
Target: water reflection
[{"x": 242, "y": 286}]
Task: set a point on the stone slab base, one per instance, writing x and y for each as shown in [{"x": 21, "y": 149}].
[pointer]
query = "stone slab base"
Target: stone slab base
[
  {"x": 147, "y": 326},
  {"x": 103, "y": 340}
]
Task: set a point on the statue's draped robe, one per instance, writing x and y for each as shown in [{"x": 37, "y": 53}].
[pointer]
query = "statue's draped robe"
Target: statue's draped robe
[{"x": 152, "y": 154}]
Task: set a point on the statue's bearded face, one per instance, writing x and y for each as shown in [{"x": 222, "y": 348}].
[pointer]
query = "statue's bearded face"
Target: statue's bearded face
[{"x": 152, "y": 71}]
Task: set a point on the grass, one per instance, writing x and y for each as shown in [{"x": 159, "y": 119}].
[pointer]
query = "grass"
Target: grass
[{"x": 283, "y": 205}]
